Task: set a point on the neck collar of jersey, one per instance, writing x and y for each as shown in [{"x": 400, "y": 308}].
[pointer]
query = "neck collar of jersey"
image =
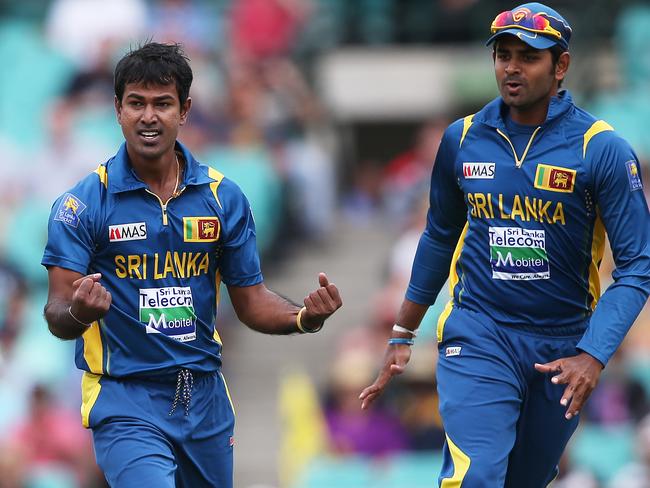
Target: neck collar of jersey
[
  {"x": 123, "y": 178},
  {"x": 494, "y": 113}
]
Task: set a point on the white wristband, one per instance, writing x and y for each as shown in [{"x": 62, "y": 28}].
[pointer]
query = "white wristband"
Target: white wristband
[{"x": 404, "y": 330}]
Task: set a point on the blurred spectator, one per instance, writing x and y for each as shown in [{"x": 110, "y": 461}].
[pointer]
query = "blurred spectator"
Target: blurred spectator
[
  {"x": 261, "y": 29},
  {"x": 406, "y": 177},
  {"x": 80, "y": 129},
  {"x": 83, "y": 29},
  {"x": 197, "y": 25},
  {"x": 13, "y": 299},
  {"x": 296, "y": 127},
  {"x": 12, "y": 467},
  {"x": 619, "y": 398},
  {"x": 51, "y": 440},
  {"x": 352, "y": 431},
  {"x": 363, "y": 195},
  {"x": 239, "y": 151},
  {"x": 11, "y": 189},
  {"x": 573, "y": 477},
  {"x": 418, "y": 401}
]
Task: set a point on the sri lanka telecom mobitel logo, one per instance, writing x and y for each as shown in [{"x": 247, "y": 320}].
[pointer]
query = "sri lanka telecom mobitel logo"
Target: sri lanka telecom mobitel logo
[
  {"x": 169, "y": 311},
  {"x": 518, "y": 254}
]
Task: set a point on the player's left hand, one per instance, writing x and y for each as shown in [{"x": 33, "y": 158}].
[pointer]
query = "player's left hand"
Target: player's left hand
[
  {"x": 320, "y": 304},
  {"x": 580, "y": 373}
]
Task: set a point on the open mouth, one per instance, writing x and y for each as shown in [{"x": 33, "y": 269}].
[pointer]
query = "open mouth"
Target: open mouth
[
  {"x": 513, "y": 86},
  {"x": 149, "y": 135}
]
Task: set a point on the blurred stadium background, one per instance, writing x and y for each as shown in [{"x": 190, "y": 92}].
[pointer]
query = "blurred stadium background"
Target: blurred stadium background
[{"x": 328, "y": 113}]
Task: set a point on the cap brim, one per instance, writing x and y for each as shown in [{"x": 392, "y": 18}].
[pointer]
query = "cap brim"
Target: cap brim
[{"x": 531, "y": 38}]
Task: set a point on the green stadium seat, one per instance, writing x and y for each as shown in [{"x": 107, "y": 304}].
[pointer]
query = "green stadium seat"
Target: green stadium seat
[
  {"x": 36, "y": 77},
  {"x": 25, "y": 238},
  {"x": 632, "y": 38},
  {"x": 252, "y": 169},
  {"x": 415, "y": 470},
  {"x": 327, "y": 472},
  {"x": 602, "y": 450}
]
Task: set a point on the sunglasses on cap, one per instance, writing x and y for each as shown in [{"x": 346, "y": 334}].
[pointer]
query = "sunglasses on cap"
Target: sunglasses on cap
[{"x": 524, "y": 19}]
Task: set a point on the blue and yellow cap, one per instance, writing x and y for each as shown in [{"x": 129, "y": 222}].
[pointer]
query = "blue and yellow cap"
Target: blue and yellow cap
[{"x": 536, "y": 24}]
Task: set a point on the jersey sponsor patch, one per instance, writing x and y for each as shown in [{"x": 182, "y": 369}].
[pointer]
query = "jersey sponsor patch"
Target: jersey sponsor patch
[
  {"x": 518, "y": 254},
  {"x": 479, "y": 171},
  {"x": 555, "y": 178},
  {"x": 201, "y": 229},
  {"x": 169, "y": 311},
  {"x": 453, "y": 351},
  {"x": 633, "y": 175},
  {"x": 69, "y": 210},
  {"x": 127, "y": 232}
]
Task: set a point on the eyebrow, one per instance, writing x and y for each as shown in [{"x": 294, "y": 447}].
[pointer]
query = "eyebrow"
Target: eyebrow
[
  {"x": 526, "y": 50},
  {"x": 160, "y": 98}
]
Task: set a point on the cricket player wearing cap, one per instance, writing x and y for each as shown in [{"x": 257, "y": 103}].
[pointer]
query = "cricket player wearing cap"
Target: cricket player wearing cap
[{"x": 522, "y": 196}]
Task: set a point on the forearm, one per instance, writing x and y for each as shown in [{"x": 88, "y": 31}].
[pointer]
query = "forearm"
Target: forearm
[
  {"x": 266, "y": 312},
  {"x": 410, "y": 315},
  {"x": 430, "y": 268},
  {"x": 60, "y": 321},
  {"x": 616, "y": 311}
]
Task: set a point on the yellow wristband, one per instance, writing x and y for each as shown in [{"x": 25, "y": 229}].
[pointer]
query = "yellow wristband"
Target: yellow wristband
[{"x": 299, "y": 323}]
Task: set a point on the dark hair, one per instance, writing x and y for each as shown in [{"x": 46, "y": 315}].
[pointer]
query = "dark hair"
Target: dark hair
[{"x": 157, "y": 64}]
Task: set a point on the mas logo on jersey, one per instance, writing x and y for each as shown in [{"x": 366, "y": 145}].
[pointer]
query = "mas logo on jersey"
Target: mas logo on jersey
[
  {"x": 201, "y": 229},
  {"x": 479, "y": 171},
  {"x": 169, "y": 311},
  {"x": 518, "y": 254},
  {"x": 633, "y": 175},
  {"x": 69, "y": 210},
  {"x": 555, "y": 178},
  {"x": 453, "y": 351},
  {"x": 127, "y": 232}
]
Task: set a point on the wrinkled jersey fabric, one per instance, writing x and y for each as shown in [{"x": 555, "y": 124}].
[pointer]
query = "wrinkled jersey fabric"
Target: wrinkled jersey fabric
[
  {"x": 162, "y": 262},
  {"x": 521, "y": 233}
]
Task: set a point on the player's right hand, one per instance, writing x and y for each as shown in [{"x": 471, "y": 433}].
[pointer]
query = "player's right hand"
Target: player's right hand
[
  {"x": 90, "y": 300},
  {"x": 395, "y": 360}
]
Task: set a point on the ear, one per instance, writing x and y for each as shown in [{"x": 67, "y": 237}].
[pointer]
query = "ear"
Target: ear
[
  {"x": 118, "y": 109},
  {"x": 562, "y": 66},
  {"x": 185, "y": 110}
]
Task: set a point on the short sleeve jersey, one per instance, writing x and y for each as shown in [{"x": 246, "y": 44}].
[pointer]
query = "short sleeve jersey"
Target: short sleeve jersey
[{"x": 162, "y": 262}]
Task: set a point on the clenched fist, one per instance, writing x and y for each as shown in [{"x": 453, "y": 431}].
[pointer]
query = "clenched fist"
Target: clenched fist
[{"x": 90, "y": 300}]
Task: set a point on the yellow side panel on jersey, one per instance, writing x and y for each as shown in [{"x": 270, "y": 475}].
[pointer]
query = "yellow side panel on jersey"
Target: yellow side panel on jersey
[
  {"x": 217, "y": 285},
  {"x": 597, "y": 251},
  {"x": 218, "y": 177},
  {"x": 453, "y": 281},
  {"x": 461, "y": 466},
  {"x": 93, "y": 349},
  {"x": 467, "y": 123},
  {"x": 232, "y": 405},
  {"x": 596, "y": 128},
  {"x": 217, "y": 337},
  {"x": 103, "y": 176},
  {"x": 90, "y": 389}
]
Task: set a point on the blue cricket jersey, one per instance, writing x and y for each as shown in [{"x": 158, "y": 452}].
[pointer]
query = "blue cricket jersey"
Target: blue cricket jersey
[
  {"x": 161, "y": 262},
  {"x": 521, "y": 235}
]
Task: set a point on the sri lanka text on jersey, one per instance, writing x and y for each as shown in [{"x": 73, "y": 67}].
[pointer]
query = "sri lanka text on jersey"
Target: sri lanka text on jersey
[
  {"x": 174, "y": 264},
  {"x": 518, "y": 207}
]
